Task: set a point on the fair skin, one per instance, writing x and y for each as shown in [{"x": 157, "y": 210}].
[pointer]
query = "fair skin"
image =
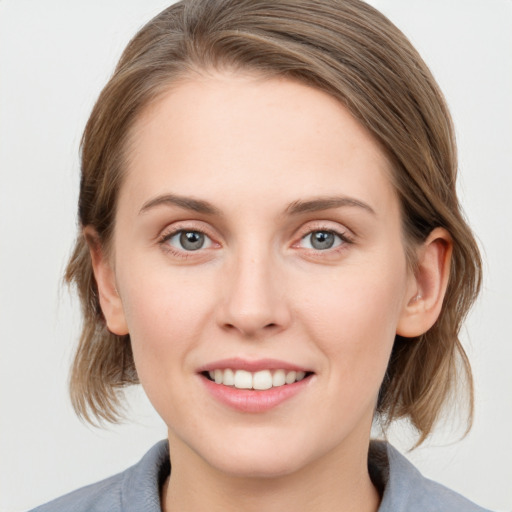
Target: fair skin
[{"x": 257, "y": 228}]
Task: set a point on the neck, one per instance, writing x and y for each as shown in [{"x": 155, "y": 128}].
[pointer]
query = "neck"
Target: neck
[{"x": 339, "y": 481}]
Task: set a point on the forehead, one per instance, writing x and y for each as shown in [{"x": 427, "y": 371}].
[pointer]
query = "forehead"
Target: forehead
[{"x": 224, "y": 132}]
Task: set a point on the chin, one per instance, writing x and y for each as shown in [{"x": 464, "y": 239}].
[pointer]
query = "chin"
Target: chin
[
  {"x": 258, "y": 454},
  {"x": 258, "y": 465}
]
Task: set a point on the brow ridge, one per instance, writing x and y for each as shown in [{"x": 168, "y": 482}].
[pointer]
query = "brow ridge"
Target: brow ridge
[
  {"x": 326, "y": 203},
  {"x": 294, "y": 208},
  {"x": 187, "y": 203}
]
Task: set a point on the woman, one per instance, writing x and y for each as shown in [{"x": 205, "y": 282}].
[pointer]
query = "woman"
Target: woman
[{"x": 271, "y": 244}]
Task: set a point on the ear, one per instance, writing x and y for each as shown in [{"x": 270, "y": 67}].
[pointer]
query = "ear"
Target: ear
[
  {"x": 110, "y": 301},
  {"x": 426, "y": 292}
]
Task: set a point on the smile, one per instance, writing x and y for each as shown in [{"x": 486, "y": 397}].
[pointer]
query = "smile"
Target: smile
[
  {"x": 260, "y": 380},
  {"x": 255, "y": 386}
]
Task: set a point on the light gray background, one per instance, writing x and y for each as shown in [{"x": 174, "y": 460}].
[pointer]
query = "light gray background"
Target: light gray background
[{"x": 55, "y": 55}]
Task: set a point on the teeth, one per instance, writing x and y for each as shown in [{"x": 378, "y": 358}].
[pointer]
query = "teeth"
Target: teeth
[
  {"x": 264, "y": 379},
  {"x": 229, "y": 378},
  {"x": 243, "y": 379},
  {"x": 290, "y": 377},
  {"x": 279, "y": 378}
]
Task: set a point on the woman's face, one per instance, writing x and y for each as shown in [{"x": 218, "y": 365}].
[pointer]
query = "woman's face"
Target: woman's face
[{"x": 258, "y": 241}]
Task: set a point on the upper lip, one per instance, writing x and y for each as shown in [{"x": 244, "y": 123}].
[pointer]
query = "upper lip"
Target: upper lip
[{"x": 255, "y": 365}]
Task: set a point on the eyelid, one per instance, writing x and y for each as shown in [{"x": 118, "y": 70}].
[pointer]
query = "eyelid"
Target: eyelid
[
  {"x": 341, "y": 240},
  {"x": 171, "y": 236},
  {"x": 183, "y": 226},
  {"x": 345, "y": 234},
  {"x": 186, "y": 225}
]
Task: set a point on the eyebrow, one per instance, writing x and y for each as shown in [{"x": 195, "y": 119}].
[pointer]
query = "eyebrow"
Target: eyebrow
[
  {"x": 187, "y": 203},
  {"x": 326, "y": 203},
  {"x": 294, "y": 208}
]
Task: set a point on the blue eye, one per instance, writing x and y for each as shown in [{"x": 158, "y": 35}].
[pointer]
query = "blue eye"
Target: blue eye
[
  {"x": 189, "y": 240},
  {"x": 321, "y": 240}
]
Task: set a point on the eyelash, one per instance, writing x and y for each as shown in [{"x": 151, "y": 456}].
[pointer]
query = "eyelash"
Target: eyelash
[
  {"x": 345, "y": 239},
  {"x": 168, "y": 235}
]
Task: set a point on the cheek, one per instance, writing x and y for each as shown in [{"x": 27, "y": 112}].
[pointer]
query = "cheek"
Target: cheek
[
  {"x": 353, "y": 316},
  {"x": 164, "y": 312}
]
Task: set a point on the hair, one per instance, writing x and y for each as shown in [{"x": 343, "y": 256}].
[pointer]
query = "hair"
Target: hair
[{"x": 354, "y": 53}]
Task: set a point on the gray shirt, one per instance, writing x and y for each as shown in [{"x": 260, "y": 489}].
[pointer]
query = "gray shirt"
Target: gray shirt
[{"x": 402, "y": 487}]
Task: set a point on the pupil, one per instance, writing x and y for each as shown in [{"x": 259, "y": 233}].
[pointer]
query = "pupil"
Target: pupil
[
  {"x": 322, "y": 240},
  {"x": 191, "y": 240}
]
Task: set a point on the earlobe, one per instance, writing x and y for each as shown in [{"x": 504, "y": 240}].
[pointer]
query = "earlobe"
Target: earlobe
[
  {"x": 425, "y": 300},
  {"x": 110, "y": 301}
]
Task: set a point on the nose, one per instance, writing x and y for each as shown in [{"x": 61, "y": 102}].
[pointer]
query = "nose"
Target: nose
[{"x": 254, "y": 301}]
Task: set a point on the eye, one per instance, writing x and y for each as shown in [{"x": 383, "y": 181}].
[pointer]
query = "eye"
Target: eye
[
  {"x": 186, "y": 240},
  {"x": 322, "y": 240}
]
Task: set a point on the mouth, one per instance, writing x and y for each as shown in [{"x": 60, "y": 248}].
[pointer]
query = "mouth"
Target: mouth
[
  {"x": 250, "y": 386},
  {"x": 259, "y": 381}
]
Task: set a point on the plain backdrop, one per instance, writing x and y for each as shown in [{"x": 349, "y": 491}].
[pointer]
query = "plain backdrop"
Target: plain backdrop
[{"x": 55, "y": 56}]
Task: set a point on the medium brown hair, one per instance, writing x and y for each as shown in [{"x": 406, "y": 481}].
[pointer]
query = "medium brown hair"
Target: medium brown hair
[{"x": 347, "y": 49}]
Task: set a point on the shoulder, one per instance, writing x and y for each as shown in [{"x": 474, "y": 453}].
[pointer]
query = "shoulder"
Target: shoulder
[
  {"x": 406, "y": 489},
  {"x": 137, "y": 488},
  {"x": 101, "y": 496}
]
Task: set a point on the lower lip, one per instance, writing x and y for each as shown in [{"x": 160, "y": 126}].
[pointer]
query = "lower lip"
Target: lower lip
[{"x": 254, "y": 401}]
